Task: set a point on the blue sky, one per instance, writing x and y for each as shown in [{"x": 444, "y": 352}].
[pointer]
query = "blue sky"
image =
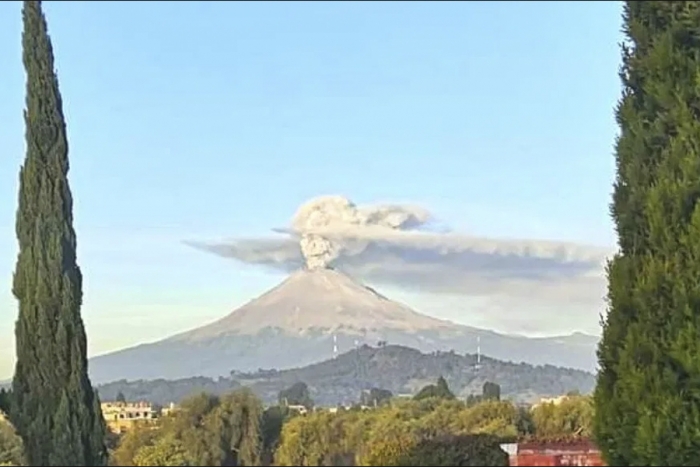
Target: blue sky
[{"x": 198, "y": 119}]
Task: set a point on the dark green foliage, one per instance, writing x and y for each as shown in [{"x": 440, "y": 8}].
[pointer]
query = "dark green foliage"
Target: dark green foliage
[
  {"x": 443, "y": 390},
  {"x": 491, "y": 391},
  {"x": 439, "y": 390},
  {"x": 647, "y": 399},
  {"x": 111, "y": 440},
  {"x": 54, "y": 407},
  {"x": 466, "y": 450},
  {"x": 524, "y": 423},
  {"x": 273, "y": 419},
  {"x": 5, "y": 400},
  {"x": 425, "y": 392},
  {"x": 375, "y": 397},
  {"x": 213, "y": 430},
  {"x": 296, "y": 394},
  {"x": 120, "y": 397}
]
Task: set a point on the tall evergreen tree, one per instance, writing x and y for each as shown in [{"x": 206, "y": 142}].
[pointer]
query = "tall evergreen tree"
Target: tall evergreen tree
[
  {"x": 5, "y": 400},
  {"x": 647, "y": 397},
  {"x": 54, "y": 407}
]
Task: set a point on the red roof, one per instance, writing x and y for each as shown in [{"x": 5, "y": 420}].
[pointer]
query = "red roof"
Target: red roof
[
  {"x": 570, "y": 445},
  {"x": 579, "y": 452}
]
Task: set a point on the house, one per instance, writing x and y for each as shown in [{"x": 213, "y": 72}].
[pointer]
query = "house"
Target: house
[
  {"x": 169, "y": 410},
  {"x": 121, "y": 416},
  {"x": 300, "y": 409},
  {"x": 578, "y": 452},
  {"x": 551, "y": 400}
]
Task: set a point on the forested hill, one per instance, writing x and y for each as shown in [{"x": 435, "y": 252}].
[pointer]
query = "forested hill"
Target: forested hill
[{"x": 399, "y": 369}]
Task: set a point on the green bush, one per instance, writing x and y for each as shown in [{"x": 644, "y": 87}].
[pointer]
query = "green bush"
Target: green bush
[{"x": 457, "y": 450}]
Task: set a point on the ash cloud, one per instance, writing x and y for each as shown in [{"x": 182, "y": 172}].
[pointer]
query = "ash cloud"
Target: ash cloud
[{"x": 394, "y": 245}]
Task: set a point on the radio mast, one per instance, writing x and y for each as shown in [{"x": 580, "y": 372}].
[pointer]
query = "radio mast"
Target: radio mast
[{"x": 477, "y": 367}]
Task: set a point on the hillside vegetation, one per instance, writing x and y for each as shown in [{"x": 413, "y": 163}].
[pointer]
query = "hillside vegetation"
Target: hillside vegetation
[
  {"x": 436, "y": 429},
  {"x": 401, "y": 370},
  {"x": 648, "y": 393}
]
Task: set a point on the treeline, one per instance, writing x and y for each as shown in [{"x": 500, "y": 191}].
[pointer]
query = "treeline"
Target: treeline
[
  {"x": 392, "y": 367},
  {"x": 433, "y": 428},
  {"x": 432, "y": 431}
]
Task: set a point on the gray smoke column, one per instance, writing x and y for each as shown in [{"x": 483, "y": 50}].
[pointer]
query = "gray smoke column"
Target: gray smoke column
[{"x": 319, "y": 221}]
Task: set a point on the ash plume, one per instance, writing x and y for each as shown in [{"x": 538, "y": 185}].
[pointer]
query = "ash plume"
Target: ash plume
[
  {"x": 321, "y": 223},
  {"x": 394, "y": 245}
]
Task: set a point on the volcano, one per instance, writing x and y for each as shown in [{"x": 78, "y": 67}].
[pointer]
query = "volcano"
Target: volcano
[
  {"x": 313, "y": 315},
  {"x": 324, "y": 300}
]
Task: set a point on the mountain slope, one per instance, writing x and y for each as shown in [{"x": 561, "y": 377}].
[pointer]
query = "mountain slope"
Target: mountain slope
[
  {"x": 399, "y": 369},
  {"x": 403, "y": 370},
  {"x": 309, "y": 314},
  {"x": 320, "y": 299}
]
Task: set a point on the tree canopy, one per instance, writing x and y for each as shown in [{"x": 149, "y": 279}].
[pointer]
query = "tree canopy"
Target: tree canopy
[
  {"x": 296, "y": 394},
  {"x": 409, "y": 432},
  {"x": 647, "y": 398},
  {"x": 440, "y": 390},
  {"x": 205, "y": 430},
  {"x": 54, "y": 407}
]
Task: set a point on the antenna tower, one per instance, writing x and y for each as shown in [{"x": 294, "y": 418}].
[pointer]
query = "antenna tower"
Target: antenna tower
[{"x": 478, "y": 353}]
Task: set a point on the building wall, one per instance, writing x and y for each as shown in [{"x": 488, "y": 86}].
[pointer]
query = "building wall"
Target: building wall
[
  {"x": 571, "y": 459},
  {"x": 577, "y": 453},
  {"x": 169, "y": 410},
  {"x": 551, "y": 400},
  {"x": 532, "y": 460},
  {"x": 122, "y": 416}
]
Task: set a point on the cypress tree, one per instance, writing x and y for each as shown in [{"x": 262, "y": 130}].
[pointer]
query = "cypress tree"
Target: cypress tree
[
  {"x": 54, "y": 407},
  {"x": 647, "y": 397},
  {"x": 5, "y": 400}
]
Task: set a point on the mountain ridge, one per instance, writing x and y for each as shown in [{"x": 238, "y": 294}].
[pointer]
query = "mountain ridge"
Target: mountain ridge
[
  {"x": 313, "y": 315},
  {"x": 400, "y": 369}
]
